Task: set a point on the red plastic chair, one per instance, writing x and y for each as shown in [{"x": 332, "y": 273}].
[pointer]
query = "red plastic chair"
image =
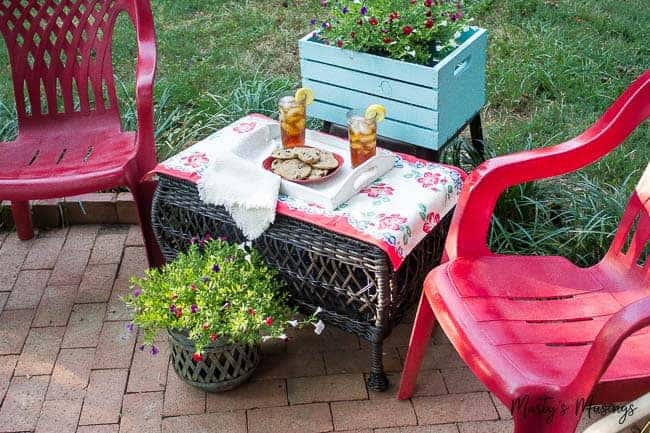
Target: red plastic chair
[
  {"x": 540, "y": 331},
  {"x": 70, "y": 139}
]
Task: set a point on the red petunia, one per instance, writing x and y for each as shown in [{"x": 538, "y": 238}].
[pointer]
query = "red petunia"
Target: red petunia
[
  {"x": 373, "y": 21},
  {"x": 269, "y": 321},
  {"x": 213, "y": 337},
  {"x": 197, "y": 357},
  {"x": 407, "y": 30}
]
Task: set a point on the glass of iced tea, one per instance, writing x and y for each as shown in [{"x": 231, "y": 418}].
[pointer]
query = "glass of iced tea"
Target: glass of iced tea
[
  {"x": 363, "y": 137},
  {"x": 293, "y": 116}
]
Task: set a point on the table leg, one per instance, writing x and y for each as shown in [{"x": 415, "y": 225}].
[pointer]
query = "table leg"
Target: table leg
[
  {"x": 476, "y": 131},
  {"x": 377, "y": 381}
]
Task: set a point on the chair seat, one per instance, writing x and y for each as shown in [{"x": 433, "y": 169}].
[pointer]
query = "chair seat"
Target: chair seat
[
  {"x": 65, "y": 162},
  {"x": 533, "y": 319}
]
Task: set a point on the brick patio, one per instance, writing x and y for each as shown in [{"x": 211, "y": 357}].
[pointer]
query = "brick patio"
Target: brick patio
[{"x": 67, "y": 364}]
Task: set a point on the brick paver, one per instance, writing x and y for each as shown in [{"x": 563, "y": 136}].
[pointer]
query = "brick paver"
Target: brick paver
[
  {"x": 28, "y": 289},
  {"x": 103, "y": 399},
  {"x": 22, "y": 404},
  {"x": 45, "y": 249},
  {"x": 142, "y": 413},
  {"x": 455, "y": 407},
  {"x": 71, "y": 374},
  {"x": 73, "y": 257},
  {"x": 378, "y": 413},
  {"x": 39, "y": 353},
  {"x": 252, "y": 395},
  {"x": 108, "y": 247},
  {"x": 55, "y": 306},
  {"x": 180, "y": 398},
  {"x": 222, "y": 422},
  {"x": 14, "y": 327},
  {"x": 84, "y": 326},
  {"x": 115, "y": 346},
  {"x": 149, "y": 372},
  {"x": 327, "y": 388},
  {"x": 97, "y": 283},
  {"x": 7, "y": 365},
  {"x": 12, "y": 256},
  {"x": 304, "y": 418},
  {"x": 67, "y": 359},
  {"x": 59, "y": 416}
]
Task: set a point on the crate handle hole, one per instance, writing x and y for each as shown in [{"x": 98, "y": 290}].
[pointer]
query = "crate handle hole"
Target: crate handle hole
[{"x": 462, "y": 66}]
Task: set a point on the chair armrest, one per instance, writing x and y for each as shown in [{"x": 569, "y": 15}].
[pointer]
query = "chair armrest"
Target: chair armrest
[
  {"x": 621, "y": 325},
  {"x": 469, "y": 228},
  {"x": 144, "y": 81}
]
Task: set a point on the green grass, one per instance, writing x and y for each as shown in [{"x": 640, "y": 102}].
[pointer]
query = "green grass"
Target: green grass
[{"x": 554, "y": 67}]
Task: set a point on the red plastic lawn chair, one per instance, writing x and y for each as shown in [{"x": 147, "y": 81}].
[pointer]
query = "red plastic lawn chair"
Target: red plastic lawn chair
[
  {"x": 70, "y": 140},
  {"x": 540, "y": 332}
]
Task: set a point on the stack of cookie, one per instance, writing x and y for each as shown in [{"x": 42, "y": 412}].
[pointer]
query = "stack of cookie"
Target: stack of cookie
[{"x": 303, "y": 163}]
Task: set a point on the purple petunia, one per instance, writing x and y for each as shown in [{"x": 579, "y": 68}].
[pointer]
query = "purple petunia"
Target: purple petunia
[
  {"x": 137, "y": 292},
  {"x": 194, "y": 308},
  {"x": 129, "y": 327},
  {"x": 172, "y": 308},
  {"x": 345, "y": 10},
  {"x": 205, "y": 279},
  {"x": 363, "y": 10},
  {"x": 154, "y": 350},
  {"x": 312, "y": 22},
  {"x": 216, "y": 267},
  {"x": 324, "y": 25}
]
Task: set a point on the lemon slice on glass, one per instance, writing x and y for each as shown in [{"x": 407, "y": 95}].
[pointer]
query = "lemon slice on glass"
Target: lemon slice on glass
[
  {"x": 377, "y": 112},
  {"x": 306, "y": 95}
]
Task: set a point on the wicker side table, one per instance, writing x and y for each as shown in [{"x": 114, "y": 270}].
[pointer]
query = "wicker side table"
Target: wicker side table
[{"x": 352, "y": 281}]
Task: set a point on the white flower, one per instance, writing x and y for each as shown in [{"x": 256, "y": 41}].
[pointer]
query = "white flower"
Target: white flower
[
  {"x": 248, "y": 258},
  {"x": 293, "y": 323},
  {"x": 411, "y": 53},
  {"x": 319, "y": 327},
  {"x": 318, "y": 311},
  {"x": 245, "y": 245}
]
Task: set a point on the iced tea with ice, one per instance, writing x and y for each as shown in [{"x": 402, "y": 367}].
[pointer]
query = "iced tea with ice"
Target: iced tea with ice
[
  {"x": 363, "y": 137},
  {"x": 292, "y": 122}
]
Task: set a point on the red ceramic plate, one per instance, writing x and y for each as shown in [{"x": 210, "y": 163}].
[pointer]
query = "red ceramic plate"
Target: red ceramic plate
[{"x": 268, "y": 161}]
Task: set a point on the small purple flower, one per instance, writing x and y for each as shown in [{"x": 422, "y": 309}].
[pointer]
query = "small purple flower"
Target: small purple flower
[
  {"x": 194, "y": 308},
  {"x": 345, "y": 10},
  {"x": 324, "y": 25},
  {"x": 154, "y": 350},
  {"x": 216, "y": 267},
  {"x": 205, "y": 279},
  {"x": 312, "y": 22},
  {"x": 129, "y": 327},
  {"x": 137, "y": 292},
  {"x": 363, "y": 10},
  {"x": 141, "y": 348},
  {"x": 172, "y": 308}
]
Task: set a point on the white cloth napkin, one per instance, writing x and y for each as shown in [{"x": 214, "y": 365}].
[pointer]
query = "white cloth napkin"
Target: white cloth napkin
[{"x": 247, "y": 191}]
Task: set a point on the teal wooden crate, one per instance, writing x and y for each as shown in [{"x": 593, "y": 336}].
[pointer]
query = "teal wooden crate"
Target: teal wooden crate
[{"x": 426, "y": 105}]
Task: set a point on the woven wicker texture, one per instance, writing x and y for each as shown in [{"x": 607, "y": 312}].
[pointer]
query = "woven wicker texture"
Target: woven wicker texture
[
  {"x": 352, "y": 281},
  {"x": 223, "y": 367}
]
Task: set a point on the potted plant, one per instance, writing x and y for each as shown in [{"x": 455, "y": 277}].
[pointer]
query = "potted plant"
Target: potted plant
[
  {"x": 217, "y": 302},
  {"x": 421, "y": 59}
]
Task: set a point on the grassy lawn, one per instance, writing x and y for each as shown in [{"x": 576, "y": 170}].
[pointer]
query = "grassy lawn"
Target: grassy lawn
[{"x": 554, "y": 66}]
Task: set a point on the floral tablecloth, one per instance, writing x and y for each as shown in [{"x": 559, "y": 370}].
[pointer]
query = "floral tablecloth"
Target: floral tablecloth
[{"x": 394, "y": 213}]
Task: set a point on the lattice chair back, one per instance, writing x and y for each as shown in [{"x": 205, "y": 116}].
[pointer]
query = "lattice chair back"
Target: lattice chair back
[
  {"x": 630, "y": 247},
  {"x": 60, "y": 54}
]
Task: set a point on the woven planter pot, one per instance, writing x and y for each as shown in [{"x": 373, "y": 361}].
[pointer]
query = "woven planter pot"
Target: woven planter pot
[{"x": 224, "y": 366}]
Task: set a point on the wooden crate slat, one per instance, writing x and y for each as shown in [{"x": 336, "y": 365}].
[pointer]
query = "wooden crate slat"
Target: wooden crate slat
[
  {"x": 399, "y": 111},
  {"x": 388, "y": 128},
  {"x": 367, "y": 83},
  {"x": 417, "y": 74}
]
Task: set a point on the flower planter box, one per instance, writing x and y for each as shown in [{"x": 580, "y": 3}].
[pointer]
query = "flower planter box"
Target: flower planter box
[{"x": 426, "y": 105}]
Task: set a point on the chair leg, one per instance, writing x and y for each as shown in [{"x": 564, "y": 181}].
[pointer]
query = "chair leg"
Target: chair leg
[
  {"x": 22, "y": 219},
  {"x": 377, "y": 381},
  {"x": 143, "y": 196},
  {"x": 420, "y": 337}
]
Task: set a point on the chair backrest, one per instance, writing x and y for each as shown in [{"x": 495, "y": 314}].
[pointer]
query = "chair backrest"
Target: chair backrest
[
  {"x": 60, "y": 55},
  {"x": 630, "y": 246}
]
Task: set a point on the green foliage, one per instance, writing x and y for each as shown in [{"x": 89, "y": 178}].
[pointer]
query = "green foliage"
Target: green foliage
[
  {"x": 417, "y": 31},
  {"x": 216, "y": 292}
]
